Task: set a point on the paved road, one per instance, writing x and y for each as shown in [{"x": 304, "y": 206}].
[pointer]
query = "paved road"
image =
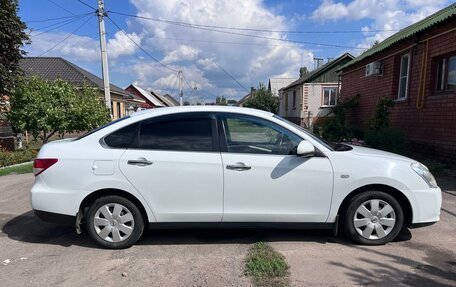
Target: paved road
[{"x": 44, "y": 254}]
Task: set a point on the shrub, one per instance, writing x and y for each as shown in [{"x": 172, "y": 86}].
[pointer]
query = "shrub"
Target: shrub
[
  {"x": 335, "y": 129},
  {"x": 9, "y": 158},
  {"x": 386, "y": 138}
]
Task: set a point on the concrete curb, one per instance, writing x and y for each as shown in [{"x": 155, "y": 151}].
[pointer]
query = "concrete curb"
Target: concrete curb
[{"x": 14, "y": 165}]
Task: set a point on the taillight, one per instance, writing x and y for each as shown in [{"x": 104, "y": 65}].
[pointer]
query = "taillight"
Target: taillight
[{"x": 41, "y": 164}]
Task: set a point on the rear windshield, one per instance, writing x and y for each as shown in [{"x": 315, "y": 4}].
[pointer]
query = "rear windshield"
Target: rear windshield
[{"x": 101, "y": 127}]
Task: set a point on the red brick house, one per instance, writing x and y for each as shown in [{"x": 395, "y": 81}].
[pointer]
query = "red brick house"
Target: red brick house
[{"x": 417, "y": 68}]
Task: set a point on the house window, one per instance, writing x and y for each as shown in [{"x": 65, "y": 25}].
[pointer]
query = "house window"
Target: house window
[
  {"x": 403, "y": 77},
  {"x": 446, "y": 74},
  {"x": 294, "y": 100},
  {"x": 119, "y": 110},
  {"x": 329, "y": 96},
  {"x": 286, "y": 101}
]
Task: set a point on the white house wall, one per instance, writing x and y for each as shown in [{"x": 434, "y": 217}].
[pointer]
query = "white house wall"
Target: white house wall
[{"x": 309, "y": 103}]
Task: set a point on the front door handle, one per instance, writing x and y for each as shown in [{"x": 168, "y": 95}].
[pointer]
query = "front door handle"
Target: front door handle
[
  {"x": 139, "y": 162},
  {"x": 240, "y": 166}
]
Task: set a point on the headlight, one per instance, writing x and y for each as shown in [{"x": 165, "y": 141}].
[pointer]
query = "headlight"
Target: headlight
[{"x": 424, "y": 172}]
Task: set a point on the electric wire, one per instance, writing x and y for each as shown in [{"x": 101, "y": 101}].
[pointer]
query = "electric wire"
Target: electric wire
[
  {"x": 139, "y": 46},
  {"x": 84, "y": 3},
  {"x": 64, "y": 39},
  {"x": 254, "y": 29},
  {"x": 61, "y": 7},
  {"x": 55, "y": 26},
  {"x": 54, "y": 19},
  {"x": 241, "y": 85}
]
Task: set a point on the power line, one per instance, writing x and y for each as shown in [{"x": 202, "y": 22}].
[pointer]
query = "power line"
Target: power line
[
  {"x": 141, "y": 48},
  {"x": 256, "y": 29},
  {"x": 84, "y": 3},
  {"x": 64, "y": 39},
  {"x": 61, "y": 7},
  {"x": 200, "y": 27},
  {"x": 57, "y": 25},
  {"x": 218, "y": 42},
  {"x": 232, "y": 77},
  {"x": 58, "y": 18},
  {"x": 176, "y": 80}
]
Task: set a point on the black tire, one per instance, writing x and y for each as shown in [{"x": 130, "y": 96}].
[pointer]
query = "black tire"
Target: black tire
[
  {"x": 137, "y": 224},
  {"x": 349, "y": 217}
]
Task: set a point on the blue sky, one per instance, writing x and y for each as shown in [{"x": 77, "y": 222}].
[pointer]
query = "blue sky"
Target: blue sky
[{"x": 198, "y": 51}]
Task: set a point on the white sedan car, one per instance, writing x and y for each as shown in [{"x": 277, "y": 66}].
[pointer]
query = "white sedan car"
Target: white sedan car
[{"x": 226, "y": 167}]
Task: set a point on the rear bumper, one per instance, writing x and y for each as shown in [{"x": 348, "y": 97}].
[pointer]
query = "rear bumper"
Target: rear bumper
[
  {"x": 422, "y": 224},
  {"x": 56, "y": 217}
]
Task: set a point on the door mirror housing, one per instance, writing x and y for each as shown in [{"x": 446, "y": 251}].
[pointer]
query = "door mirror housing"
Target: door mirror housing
[{"x": 305, "y": 149}]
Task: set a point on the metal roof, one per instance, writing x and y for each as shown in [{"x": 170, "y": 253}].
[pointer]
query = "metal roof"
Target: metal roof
[
  {"x": 315, "y": 73},
  {"x": 407, "y": 32},
  {"x": 148, "y": 95},
  {"x": 53, "y": 68}
]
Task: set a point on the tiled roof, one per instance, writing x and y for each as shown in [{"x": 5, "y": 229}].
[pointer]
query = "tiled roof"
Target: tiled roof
[
  {"x": 53, "y": 68},
  {"x": 426, "y": 23}
]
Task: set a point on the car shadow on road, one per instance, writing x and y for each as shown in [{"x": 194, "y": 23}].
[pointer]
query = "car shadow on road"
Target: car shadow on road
[
  {"x": 436, "y": 270},
  {"x": 29, "y": 228}
]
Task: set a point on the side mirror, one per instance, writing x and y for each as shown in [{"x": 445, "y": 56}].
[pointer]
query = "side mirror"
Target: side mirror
[{"x": 305, "y": 149}]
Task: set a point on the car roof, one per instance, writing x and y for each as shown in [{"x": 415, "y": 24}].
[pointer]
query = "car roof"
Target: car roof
[{"x": 183, "y": 109}]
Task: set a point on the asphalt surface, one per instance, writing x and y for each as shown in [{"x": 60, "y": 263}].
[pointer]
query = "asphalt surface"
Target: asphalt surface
[{"x": 34, "y": 253}]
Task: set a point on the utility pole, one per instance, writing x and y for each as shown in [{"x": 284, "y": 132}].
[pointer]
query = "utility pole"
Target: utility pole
[
  {"x": 104, "y": 55},
  {"x": 181, "y": 93}
]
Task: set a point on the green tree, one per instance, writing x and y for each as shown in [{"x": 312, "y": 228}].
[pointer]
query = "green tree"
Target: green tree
[
  {"x": 45, "y": 108},
  {"x": 220, "y": 101},
  {"x": 12, "y": 39},
  {"x": 335, "y": 129},
  {"x": 303, "y": 71},
  {"x": 263, "y": 99}
]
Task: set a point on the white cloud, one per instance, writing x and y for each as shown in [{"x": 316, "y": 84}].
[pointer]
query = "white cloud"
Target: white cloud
[
  {"x": 82, "y": 48},
  {"x": 387, "y": 15},
  {"x": 196, "y": 51},
  {"x": 122, "y": 45},
  {"x": 75, "y": 47},
  {"x": 182, "y": 53}
]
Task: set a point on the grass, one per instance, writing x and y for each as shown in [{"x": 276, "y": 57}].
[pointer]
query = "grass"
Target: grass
[
  {"x": 26, "y": 168},
  {"x": 266, "y": 266}
]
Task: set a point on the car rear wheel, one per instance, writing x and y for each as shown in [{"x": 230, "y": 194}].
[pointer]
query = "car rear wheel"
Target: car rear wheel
[
  {"x": 114, "y": 222},
  {"x": 373, "y": 218}
]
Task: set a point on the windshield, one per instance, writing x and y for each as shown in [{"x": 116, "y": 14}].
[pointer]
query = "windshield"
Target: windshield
[
  {"x": 316, "y": 138},
  {"x": 101, "y": 127}
]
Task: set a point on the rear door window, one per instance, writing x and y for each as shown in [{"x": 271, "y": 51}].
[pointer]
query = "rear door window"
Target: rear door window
[{"x": 181, "y": 134}]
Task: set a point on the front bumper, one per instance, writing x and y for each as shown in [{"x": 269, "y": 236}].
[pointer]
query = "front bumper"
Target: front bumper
[{"x": 426, "y": 206}]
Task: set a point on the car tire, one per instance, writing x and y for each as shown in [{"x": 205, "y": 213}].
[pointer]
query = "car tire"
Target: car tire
[
  {"x": 373, "y": 218},
  {"x": 114, "y": 222}
]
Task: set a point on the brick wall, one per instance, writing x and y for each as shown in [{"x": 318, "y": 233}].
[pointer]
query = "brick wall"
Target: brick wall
[{"x": 429, "y": 130}]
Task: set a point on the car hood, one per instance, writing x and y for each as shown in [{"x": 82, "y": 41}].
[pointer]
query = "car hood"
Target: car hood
[{"x": 364, "y": 151}]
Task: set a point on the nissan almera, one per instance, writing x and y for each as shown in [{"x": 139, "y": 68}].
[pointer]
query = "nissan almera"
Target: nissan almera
[{"x": 226, "y": 166}]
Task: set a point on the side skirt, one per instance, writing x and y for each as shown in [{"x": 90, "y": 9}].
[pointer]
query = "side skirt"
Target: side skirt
[{"x": 234, "y": 225}]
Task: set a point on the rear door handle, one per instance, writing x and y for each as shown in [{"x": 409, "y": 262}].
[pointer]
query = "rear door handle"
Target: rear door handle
[
  {"x": 240, "y": 166},
  {"x": 139, "y": 162}
]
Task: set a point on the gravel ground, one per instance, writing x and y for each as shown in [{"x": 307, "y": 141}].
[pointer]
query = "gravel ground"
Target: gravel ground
[{"x": 35, "y": 253}]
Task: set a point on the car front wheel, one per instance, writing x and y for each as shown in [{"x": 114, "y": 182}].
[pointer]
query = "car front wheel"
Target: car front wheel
[
  {"x": 114, "y": 222},
  {"x": 373, "y": 218}
]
